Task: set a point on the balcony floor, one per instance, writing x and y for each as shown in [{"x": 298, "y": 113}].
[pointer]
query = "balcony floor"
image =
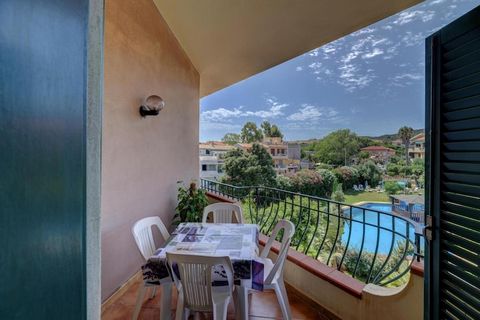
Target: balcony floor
[{"x": 263, "y": 305}]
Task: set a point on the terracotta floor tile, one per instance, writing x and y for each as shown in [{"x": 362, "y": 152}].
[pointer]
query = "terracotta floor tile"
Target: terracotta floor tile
[{"x": 262, "y": 305}]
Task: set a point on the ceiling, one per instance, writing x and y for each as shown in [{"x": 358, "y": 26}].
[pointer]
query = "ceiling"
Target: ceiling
[{"x": 230, "y": 40}]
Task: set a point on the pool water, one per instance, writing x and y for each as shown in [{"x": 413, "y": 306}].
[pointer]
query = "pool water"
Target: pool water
[{"x": 373, "y": 234}]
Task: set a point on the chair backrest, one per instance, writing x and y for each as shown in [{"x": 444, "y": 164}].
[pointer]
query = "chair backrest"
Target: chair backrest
[
  {"x": 195, "y": 283},
  {"x": 142, "y": 232},
  {"x": 223, "y": 212},
  {"x": 288, "y": 232}
]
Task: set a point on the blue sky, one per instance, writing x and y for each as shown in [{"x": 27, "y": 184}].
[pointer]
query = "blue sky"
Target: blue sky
[{"x": 371, "y": 81}]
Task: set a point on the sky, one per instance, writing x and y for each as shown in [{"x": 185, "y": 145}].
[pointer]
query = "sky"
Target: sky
[{"x": 371, "y": 82}]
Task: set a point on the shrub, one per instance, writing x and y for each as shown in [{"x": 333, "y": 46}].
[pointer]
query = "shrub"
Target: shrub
[
  {"x": 392, "y": 187},
  {"x": 338, "y": 195},
  {"x": 369, "y": 172},
  {"x": 312, "y": 182},
  {"x": 329, "y": 181},
  {"x": 393, "y": 169},
  {"x": 347, "y": 176},
  {"x": 191, "y": 202}
]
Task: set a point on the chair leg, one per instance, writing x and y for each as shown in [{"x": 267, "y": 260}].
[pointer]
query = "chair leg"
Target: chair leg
[
  {"x": 138, "y": 304},
  {"x": 180, "y": 312},
  {"x": 240, "y": 295},
  {"x": 166, "y": 301},
  {"x": 282, "y": 298},
  {"x": 154, "y": 292},
  {"x": 220, "y": 310}
]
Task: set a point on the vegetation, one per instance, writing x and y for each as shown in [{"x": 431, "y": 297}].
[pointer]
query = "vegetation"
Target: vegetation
[
  {"x": 347, "y": 176},
  {"x": 270, "y": 130},
  {"x": 316, "y": 183},
  {"x": 370, "y": 173},
  {"x": 406, "y": 133},
  {"x": 352, "y": 197},
  {"x": 191, "y": 202},
  {"x": 337, "y": 148},
  {"x": 251, "y": 133},
  {"x": 231, "y": 138},
  {"x": 392, "y": 187},
  {"x": 249, "y": 168}
]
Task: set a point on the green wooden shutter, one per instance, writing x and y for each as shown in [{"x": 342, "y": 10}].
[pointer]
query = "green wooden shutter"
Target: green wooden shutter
[{"x": 452, "y": 282}]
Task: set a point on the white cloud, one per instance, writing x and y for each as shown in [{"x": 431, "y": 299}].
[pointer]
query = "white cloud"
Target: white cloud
[
  {"x": 312, "y": 113},
  {"x": 374, "y": 53},
  {"x": 221, "y": 114},
  {"x": 434, "y": 2},
  {"x": 225, "y": 115},
  {"x": 410, "y": 76},
  {"x": 412, "y": 15},
  {"x": 413, "y": 39},
  {"x": 299, "y": 68},
  {"x": 363, "y": 31}
]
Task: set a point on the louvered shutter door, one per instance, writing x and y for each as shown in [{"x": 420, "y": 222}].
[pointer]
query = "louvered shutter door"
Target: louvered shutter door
[{"x": 453, "y": 170}]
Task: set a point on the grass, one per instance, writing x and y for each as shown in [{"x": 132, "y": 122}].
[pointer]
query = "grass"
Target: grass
[{"x": 358, "y": 196}]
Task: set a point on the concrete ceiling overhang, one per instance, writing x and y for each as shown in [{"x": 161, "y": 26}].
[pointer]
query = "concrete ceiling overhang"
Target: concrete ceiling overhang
[{"x": 230, "y": 40}]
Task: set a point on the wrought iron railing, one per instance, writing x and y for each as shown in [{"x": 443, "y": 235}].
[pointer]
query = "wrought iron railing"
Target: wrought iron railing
[{"x": 370, "y": 245}]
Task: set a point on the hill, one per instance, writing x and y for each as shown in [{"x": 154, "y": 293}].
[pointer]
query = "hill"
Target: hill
[{"x": 393, "y": 136}]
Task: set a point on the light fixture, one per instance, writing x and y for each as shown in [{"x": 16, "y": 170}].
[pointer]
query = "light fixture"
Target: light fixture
[{"x": 152, "y": 106}]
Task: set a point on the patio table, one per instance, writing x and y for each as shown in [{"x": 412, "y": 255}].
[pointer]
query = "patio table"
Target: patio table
[{"x": 238, "y": 241}]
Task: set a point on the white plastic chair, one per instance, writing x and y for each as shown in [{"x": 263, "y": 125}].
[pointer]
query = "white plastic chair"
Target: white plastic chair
[
  {"x": 195, "y": 290},
  {"x": 223, "y": 212},
  {"x": 143, "y": 235},
  {"x": 273, "y": 272}
]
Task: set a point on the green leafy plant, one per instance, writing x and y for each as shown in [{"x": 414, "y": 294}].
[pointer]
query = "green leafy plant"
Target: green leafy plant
[
  {"x": 392, "y": 187},
  {"x": 191, "y": 202}
]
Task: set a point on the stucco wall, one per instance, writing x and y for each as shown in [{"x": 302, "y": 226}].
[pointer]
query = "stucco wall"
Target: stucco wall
[{"x": 142, "y": 158}]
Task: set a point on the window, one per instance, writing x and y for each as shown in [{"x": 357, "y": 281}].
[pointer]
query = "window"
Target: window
[
  {"x": 204, "y": 167},
  {"x": 207, "y": 151},
  {"x": 211, "y": 167},
  {"x": 220, "y": 168}
]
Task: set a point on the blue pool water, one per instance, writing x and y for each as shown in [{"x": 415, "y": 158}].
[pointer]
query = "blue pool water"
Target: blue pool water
[{"x": 372, "y": 232}]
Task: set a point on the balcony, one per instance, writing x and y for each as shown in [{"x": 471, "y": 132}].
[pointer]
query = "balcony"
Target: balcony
[{"x": 368, "y": 259}]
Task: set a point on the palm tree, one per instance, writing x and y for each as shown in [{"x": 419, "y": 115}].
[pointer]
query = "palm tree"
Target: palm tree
[{"x": 406, "y": 133}]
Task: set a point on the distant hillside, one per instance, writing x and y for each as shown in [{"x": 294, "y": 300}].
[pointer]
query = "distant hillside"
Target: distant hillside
[
  {"x": 393, "y": 136},
  {"x": 384, "y": 137}
]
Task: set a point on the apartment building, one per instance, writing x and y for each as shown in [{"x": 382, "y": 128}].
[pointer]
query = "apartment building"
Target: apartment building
[
  {"x": 212, "y": 155},
  {"x": 416, "y": 150}
]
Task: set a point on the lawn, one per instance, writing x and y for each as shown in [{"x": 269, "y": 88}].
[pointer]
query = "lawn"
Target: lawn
[{"x": 358, "y": 196}]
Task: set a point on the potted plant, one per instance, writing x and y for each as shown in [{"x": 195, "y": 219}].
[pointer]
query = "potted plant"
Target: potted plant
[{"x": 191, "y": 202}]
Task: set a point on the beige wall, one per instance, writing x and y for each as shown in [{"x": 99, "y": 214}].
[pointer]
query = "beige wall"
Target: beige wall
[
  {"x": 142, "y": 159},
  {"x": 376, "y": 302}
]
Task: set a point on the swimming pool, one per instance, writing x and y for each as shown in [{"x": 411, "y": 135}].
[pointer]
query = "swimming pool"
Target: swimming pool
[{"x": 386, "y": 239}]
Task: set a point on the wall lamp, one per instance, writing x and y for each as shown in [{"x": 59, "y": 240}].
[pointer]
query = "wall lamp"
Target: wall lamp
[{"x": 152, "y": 106}]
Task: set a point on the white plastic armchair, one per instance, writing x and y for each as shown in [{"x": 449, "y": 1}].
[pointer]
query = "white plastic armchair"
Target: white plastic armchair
[
  {"x": 194, "y": 284},
  {"x": 143, "y": 235},
  {"x": 274, "y": 271},
  {"x": 223, "y": 212}
]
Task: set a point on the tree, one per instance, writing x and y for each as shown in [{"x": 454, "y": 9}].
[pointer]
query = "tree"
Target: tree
[
  {"x": 231, "y": 138},
  {"x": 369, "y": 172},
  {"x": 249, "y": 169},
  {"x": 270, "y": 130},
  {"x": 267, "y": 128},
  {"x": 250, "y": 133},
  {"x": 405, "y": 134},
  {"x": 337, "y": 148},
  {"x": 347, "y": 176}
]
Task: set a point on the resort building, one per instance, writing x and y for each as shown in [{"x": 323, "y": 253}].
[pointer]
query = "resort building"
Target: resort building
[
  {"x": 416, "y": 150},
  {"x": 212, "y": 156},
  {"x": 278, "y": 150},
  {"x": 379, "y": 153}
]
